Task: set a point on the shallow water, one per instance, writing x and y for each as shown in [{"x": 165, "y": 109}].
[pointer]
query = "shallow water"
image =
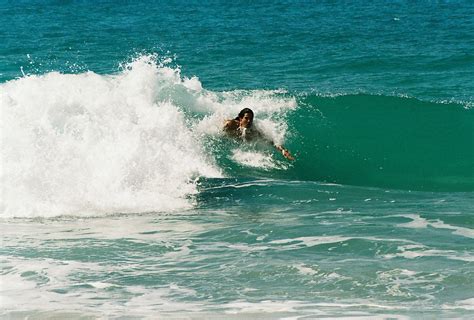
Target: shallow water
[{"x": 307, "y": 250}]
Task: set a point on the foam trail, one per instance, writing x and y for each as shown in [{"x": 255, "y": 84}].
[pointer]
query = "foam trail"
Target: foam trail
[
  {"x": 256, "y": 159},
  {"x": 421, "y": 223}
]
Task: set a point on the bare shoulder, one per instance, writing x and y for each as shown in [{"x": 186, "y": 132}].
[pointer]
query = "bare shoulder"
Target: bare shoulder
[{"x": 231, "y": 124}]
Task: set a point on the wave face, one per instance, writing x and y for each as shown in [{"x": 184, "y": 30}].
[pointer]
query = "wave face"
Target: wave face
[
  {"x": 138, "y": 140},
  {"x": 370, "y": 140},
  {"x": 384, "y": 141}
]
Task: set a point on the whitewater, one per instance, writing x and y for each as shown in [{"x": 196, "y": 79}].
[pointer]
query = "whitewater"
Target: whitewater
[
  {"x": 122, "y": 198},
  {"x": 87, "y": 144}
]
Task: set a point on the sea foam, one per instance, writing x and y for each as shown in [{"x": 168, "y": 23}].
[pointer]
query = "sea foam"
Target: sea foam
[{"x": 89, "y": 144}]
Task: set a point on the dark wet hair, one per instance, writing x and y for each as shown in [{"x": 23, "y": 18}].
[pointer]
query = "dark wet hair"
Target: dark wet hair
[{"x": 243, "y": 112}]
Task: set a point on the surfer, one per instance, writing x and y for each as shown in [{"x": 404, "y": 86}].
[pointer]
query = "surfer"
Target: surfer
[{"x": 242, "y": 127}]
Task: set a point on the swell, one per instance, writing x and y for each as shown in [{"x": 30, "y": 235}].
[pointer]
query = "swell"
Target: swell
[
  {"x": 383, "y": 141},
  {"x": 136, "y": 141}
]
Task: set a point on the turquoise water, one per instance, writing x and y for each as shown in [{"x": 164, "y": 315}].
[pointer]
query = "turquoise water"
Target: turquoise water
[{"x": 122, "y": 199}]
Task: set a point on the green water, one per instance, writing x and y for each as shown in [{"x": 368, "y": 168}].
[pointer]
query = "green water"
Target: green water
[{"x": 385, "y": 141}]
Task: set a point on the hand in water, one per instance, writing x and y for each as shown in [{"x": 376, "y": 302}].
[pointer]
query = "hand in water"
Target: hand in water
[{"x": 285, "y": 153}]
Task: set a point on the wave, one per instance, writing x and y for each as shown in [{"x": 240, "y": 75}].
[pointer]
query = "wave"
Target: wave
[
  {"x": 88, "y": 144},
  {"x": 384, "y": 141},
  {"x": 367, "y": 140},
  {"x": 138, "y": 140}
]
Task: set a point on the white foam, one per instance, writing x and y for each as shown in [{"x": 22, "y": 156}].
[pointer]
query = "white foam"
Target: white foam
[
  {"x": 403, "y": 282},
  {"x": 19, "y": 292},
  {"x": 255, "y": 159},
  {"x": 418, "y": 222},
  {"x": 101, "y": 285},
  {"x": 247, "y": 248},
  {"x": 305, "y": 270},
  {"x": 60, "y": 291},
  {"x": 418, "y": 251},
  {"x": 89, "y": 144},
  {"x": 266, "y": 306},
  {"x": 311, "y": 241},
  {"x": 461, "y": 231},
  {"x": 467, "y": 304},
  {"x": 304, "y": 310}
]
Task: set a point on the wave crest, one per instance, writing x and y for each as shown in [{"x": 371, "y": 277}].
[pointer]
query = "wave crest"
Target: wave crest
[{"x": 92, "y": 144}]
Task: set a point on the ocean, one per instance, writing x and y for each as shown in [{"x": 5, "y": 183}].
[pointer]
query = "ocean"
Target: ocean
[{"x": 122, "y": 198}]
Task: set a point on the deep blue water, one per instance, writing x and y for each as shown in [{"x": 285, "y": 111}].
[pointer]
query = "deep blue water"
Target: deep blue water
[
  {"x": 421, "y": 49},
  {"x": 121, "y": 197}
]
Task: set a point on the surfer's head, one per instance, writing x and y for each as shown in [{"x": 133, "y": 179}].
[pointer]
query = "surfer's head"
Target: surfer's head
[{"x": 245, "y": 118}]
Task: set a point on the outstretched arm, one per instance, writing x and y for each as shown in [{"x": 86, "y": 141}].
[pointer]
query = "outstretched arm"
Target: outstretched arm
[
  {"x": 284, "y": 152},
  {"x": 279, "y": 147}
]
